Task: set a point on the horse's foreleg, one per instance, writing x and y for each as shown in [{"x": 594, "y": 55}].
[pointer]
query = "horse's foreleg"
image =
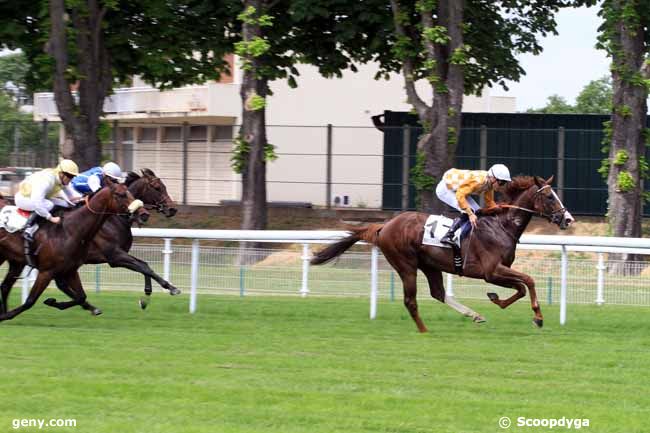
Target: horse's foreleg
[
  {"x": 437, "y": 289},
  {"x": 506, "y": 277},
  {"x": 14, "y": 272},
  {"x": 120, "y": 259},
  {"x": 43, "y": 279}
]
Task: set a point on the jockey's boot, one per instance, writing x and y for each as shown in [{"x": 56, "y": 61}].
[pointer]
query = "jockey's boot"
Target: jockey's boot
[
  {"x": 448, "y": 238},
  {"x": 28, "y": 237}
]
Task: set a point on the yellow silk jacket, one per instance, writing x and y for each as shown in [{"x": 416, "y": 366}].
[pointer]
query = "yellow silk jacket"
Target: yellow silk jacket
[{"x": 468, "y": 182}]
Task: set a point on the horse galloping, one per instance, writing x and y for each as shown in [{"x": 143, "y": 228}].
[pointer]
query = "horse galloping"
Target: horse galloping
[
  {"x": 62, "y": 248},
  {"x": 488, "y": 251},
  {"x": 112, "y": 243}
]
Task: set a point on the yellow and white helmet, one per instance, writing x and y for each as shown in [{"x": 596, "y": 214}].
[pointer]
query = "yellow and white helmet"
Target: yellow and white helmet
[{"x": 69, "y": 167}]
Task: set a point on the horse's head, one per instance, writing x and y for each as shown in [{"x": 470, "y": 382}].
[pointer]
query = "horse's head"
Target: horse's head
[
  {"x": 549, "y": 205},
  {"x": 119, "y": 200},
  {"x": 152, "y": 191}
]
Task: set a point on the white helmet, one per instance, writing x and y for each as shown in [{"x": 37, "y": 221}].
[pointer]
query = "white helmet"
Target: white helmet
[
  {"x": 500, "y": 172},
  {"x": 113, "y": 170}
]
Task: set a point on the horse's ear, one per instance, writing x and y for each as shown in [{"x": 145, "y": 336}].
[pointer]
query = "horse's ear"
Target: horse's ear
[
  {"x": 549, "y": 181},
  {"x": 109, "y": 182},
  {"x": 539, "y": 181},
  {"x": 148, "y": 173},
  {"x": 131, "y": 177}
]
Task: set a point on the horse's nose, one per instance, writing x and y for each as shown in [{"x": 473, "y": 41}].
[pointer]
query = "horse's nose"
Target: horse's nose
[
  {"x": 143, "y": 217},
  {"x": 171, "y": 212},
  {"x": 569, "y": 218}
]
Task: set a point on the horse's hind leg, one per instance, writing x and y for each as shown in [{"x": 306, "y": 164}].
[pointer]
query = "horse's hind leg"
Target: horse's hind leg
[
  {"x": 43, "y": 279},
  {"x": 437, "y": 289},
  {"x": 10, "y": 279},
  {"x": 71, "y": 286},
  {"x": 506, "y": 277},
  {"x": 62, "y": 285}
]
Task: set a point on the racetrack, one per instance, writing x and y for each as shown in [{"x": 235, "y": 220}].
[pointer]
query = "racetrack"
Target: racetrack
[{"x": 280, "y": 364}]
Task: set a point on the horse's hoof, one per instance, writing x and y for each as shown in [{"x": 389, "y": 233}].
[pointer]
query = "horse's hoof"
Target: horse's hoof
[
  {"x": 479, "y": 319},
  {"x": 50, "y": 301},
  {"x": 174, "y": 291},
  {"x": 96, "y": 312},
  {"x": 538, "y": 322},
  {"x": 143, "y": 302},
  {"x": 493, "y": 297}
]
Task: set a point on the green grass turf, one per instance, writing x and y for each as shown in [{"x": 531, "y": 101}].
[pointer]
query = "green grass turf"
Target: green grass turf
[{"x": 286, "y": 364}]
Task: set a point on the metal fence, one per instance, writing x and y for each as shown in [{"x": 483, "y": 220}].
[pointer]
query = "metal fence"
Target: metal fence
[
  {"x": 279, "y": 271},
  {"x": 329, "y": 166}
]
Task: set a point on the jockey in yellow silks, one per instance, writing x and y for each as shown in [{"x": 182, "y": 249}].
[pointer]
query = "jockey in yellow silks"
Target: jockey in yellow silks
[
  {"x": 457, "y": 187},
  {"x": 39, "y": 193}
]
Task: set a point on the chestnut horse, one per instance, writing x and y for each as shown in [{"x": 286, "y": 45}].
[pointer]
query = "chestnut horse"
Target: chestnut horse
[
  {"x": 62, "y": 248},
  {"x": 488, "y": 252},
  {"x": 114, "y": 240}
]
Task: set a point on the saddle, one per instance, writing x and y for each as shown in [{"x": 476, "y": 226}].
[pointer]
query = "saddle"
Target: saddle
[
  {"x": 436, "y": 227},
  {"x": 13, "y": 219}
]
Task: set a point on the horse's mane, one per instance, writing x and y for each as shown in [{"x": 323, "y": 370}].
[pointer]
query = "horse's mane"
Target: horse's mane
[
  {"x": 132, "y": 176},
  {"x": 517, "y": 185}
]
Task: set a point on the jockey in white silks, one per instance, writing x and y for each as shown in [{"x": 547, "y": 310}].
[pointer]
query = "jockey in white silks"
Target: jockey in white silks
[
  {"x": 456, "y": 187},
  {"x": 39, "y": 193},
  {"x": 92, "y": 180}
]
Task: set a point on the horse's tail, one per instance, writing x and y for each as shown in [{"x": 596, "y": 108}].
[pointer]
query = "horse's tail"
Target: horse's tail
[{"x": 366, "y": 233}]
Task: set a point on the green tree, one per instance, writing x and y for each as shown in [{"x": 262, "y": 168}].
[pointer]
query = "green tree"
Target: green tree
[
  {"x": 458, "y": 46},
  {"x": 13, "y": 72},
  {"x": 555, "y": 104},
  {"x": 625, "y": 36},
  {"x": 275, "y": 37},
  {"x": 595, "y": 97},
  {"x": 93, "y": 45}
]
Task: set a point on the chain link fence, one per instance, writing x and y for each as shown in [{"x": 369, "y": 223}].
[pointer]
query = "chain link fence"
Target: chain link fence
[{"x": 326, "y": 166}]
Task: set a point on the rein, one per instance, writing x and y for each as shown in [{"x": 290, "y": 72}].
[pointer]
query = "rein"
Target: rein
[
  {"x": 534, "y": 212},
  {"x": 87, "y": 200}
]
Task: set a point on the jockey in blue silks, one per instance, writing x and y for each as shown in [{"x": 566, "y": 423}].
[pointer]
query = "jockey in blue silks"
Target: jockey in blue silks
[{"x": 92, "y": 180}]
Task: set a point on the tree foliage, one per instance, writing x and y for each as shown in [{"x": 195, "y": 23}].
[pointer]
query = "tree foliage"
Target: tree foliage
[{"x": 594, "y": 98}]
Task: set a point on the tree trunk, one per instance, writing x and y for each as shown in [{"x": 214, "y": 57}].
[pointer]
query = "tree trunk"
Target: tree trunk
[
  {"x": 628, "y": 142},
  {"x": 253, "y": 132},
  {"x": 442, "y": 119},
  {"x": 81, "y": 119}
]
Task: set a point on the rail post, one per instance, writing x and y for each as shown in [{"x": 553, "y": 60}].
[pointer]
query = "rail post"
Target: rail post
[
  {"x": 195, "y": 275},
  {"x": 600, "y": 290},
  {"x": 563, "y": 285},
  {"x": 167, "y": 255},
  {"x": 306, "y": 256},
  {"x": 374, "y": 270}
]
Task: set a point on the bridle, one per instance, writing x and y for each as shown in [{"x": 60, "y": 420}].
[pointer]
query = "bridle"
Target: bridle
[
  {"x": 550, "y": 216},
  {"x": 159, "y": 205}
]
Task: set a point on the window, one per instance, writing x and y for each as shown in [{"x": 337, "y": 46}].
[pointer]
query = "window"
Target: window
[
  {"x": 172, "y": 133},
  {"x": 223, "y": 132},
  {"x": 198, "y": 133},
  {"x": 147, "y": 134}
]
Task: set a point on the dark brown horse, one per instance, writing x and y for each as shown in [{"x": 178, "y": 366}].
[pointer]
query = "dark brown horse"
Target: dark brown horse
[
  {"x": 114, "y": 240},
  {"x": 488, "y": 251},
  {"x": 62, "y": 248}
]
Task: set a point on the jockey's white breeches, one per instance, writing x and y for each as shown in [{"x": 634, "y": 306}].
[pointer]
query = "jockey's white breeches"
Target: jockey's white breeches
[
  {"x": 448, "y": 196},
  {"x": 42, "y": 207}
]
